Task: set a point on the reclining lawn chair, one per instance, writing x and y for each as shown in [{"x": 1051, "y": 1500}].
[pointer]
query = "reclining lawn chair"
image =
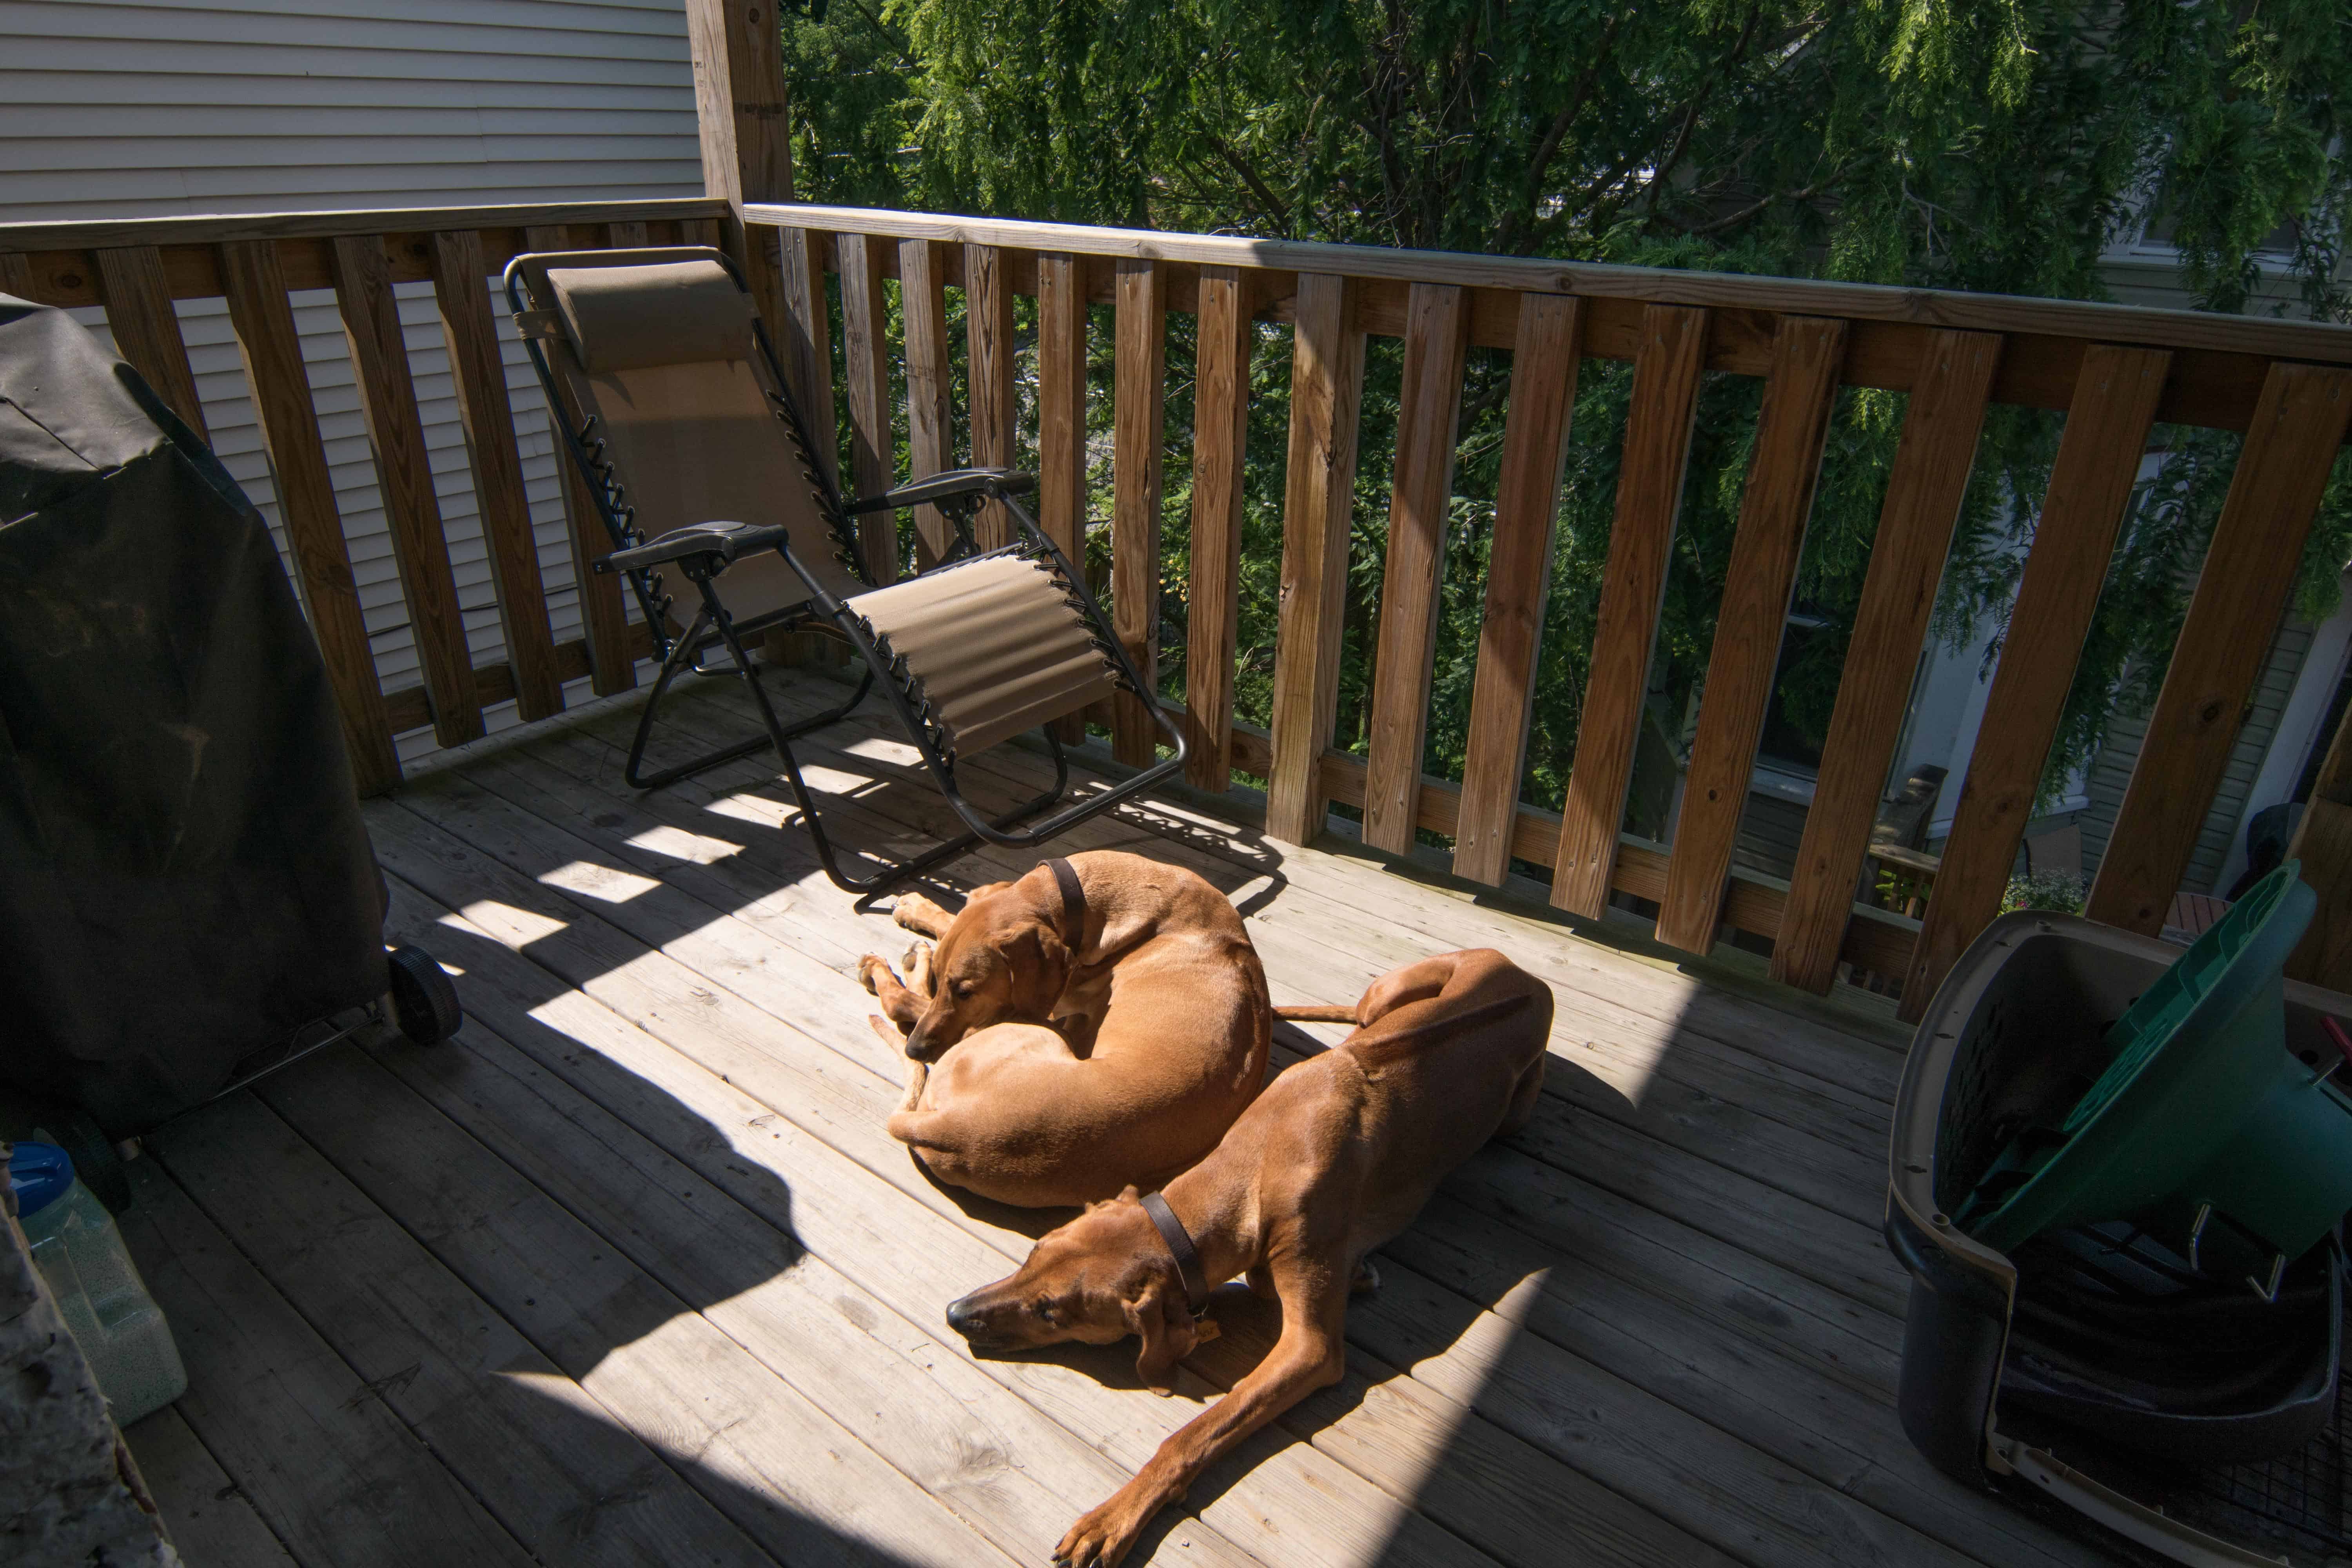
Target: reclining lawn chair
[{"x": 678, "y": 414}]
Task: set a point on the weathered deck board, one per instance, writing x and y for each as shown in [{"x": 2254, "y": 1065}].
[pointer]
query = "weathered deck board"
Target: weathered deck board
[{"x": 1656, "y": 1327}]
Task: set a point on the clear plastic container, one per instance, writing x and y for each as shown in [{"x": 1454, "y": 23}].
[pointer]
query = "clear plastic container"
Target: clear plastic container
[{"x": 75, "y": 1244}]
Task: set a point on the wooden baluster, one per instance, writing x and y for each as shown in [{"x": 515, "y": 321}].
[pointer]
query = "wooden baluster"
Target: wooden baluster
[
  {"x": 865, "y": 345},
  {"x": 1666, "y": 366},
  {"x": 1062, "y": 419},
  {"x": 1429, "y": 410},
  {"x": 2098, "y": 459},
  {"x": 626, "y": 236},
  {"x": 2242, "y": 594},
  {"x": 1799, "y": 394},
  {"x": 2323, "y": 842},
  {"x": 806, "y": 343},
  {"x": 1929, "y": 481},
  {"x": 1220, "y": 427},
  {"x": 1327, "y": 379},
  {"x": 1140, "y": 388},
  {"x": 16, "y": 274},
  {"x": 263, "y": 319},
  {"x": 611, "y": 664},
  {"x": 923, "y": 306},
  {"x": 1518, "y": 574},
  {"x": 988, "y": 341},
  {"x": 404, "y": 480},
  {"x": 460, "y": 290},
  {"x": 147, "y": 330}
]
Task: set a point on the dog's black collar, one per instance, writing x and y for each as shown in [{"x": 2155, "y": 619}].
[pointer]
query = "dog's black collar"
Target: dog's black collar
[
  {"x": 1179, "y": 1243},
  {"x": 1074, "y": 903}
]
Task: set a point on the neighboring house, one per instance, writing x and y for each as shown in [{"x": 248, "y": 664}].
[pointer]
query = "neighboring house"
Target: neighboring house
[{"x": 111, "y": 110}]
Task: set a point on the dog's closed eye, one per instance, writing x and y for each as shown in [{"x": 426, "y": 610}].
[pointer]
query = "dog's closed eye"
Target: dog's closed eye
[{"x": 1045, "y": 1313}]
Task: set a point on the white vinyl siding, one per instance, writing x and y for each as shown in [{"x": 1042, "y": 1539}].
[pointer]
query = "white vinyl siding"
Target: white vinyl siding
[{"x": 118, "y": 111}]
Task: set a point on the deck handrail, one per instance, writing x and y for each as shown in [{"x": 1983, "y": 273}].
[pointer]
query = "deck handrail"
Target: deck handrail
[{"x": 2116, "y": 369}]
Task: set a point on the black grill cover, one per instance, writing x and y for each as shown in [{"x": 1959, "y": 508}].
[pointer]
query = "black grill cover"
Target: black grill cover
[{"x": 185, "y": 878}]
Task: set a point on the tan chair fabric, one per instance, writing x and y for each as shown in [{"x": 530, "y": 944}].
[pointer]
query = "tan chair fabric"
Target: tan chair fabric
[
  {"x": 995, "y": 645},
  {"x": 623, "y": 317},
  {"x": 693, "y": 440}
]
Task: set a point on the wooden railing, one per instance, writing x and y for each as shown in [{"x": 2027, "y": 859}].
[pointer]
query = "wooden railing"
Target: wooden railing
[
  {"x": 2114, "y": 371},
  {"x": 136, "y": 267}
]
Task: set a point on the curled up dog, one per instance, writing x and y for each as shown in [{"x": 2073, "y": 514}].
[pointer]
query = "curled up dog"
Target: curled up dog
[{"x": 1334, "y": 1159}]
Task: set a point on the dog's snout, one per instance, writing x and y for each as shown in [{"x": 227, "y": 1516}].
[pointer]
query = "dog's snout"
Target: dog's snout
[{"x": 961, "y": 1317}]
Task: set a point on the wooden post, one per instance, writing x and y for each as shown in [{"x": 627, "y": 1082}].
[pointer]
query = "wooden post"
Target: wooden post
[
  {"x": 739, "y": 103},
  {"x": 2242, "y": 593},
  {"x": 1141, "y": 386},
  {"x": 1519, "y": 574},
  {"x": 147, "y": 330},
  {"x": 1326, "y": 393},
  {"x": 461, "y": 288},
  {"x": 1807, "y": 353},
  {"x": 1220, "y": 424},
  {"x": 1062, "y": 419},
  {"x": 1429, "y": 412},
  {"x": 873, "y": 451},
  {"x": 1666, "y": 366},
  {"x": 987, "y": 338},
  {"x": 2099, "y": 457},
  {"x": 1930, "y": 479},
  {"x": 263, "y": 319},
  {"x": 923, "y": 308}
]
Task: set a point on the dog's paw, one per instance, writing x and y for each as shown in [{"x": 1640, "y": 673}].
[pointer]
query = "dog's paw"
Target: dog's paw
[
  {"x": 1102, "y": 1538},
  {"x": 920, "y": 914},
  {"x": 870, "y": 971},
  {"x": 918, "y": 965}
]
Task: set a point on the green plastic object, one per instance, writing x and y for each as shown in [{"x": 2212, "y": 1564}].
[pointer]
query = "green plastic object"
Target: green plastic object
[{"x": 2202, "y": 1127}]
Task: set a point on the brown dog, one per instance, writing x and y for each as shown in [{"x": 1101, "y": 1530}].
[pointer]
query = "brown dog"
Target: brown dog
[
  {"x": 1091, "y": 1030},
  {"x": 1335, "y": 1158}
]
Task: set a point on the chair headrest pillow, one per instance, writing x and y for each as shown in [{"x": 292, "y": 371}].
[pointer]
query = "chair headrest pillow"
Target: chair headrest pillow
[{"x": 674, "y": 312}]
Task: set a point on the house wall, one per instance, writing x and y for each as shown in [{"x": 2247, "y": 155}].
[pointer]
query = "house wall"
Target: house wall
[{"x": 175, "y": 106}]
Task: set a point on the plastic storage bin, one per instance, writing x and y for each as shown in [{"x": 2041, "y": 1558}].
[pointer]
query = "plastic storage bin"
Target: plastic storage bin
[{"x": 75, "y": 1244}]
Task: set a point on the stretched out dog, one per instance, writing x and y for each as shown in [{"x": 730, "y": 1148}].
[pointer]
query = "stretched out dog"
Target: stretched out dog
[
  {"x": 1099, "y": 1023},
  {"x": 1335, "y": 1158}
]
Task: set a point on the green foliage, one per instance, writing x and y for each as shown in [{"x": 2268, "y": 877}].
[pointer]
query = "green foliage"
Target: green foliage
[
  {"x": 1997, "y": 146},
  {"x": 2059, "y": 890}
]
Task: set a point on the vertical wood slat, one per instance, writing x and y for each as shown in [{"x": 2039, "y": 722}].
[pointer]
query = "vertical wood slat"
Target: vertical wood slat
[
  {"x": 866, "y": 346},
  {"x": 1062, "y": 419},
  {"x": 1429, "y": 411},
  {"x": 923, "y": 306},
  {"x": 16, "y": 274},
  {"x": 1519, "y": 576},
  {"x": 1140, "y": 390},
  {"x": 1219, "y": 430},
  {"x": 1752, "y": 621},
  {"x": 988, "y": 342},
  {"x": 625, "y": 235},
  {"x": 420, "y": 550},
  {"x": 1666, "y": 366},
  {"x": 263, "y": 319},
  {"x": 147, "y": 330},
  {"x": 2323, "y": 842},
  {"x": 1924, "y": 492},
  {"x": 2099, "y": 457},
  {"x": 460, "y": 290},
  {"x": 806, "y": 344},
  {"x": 603, "y": 615},
  {"x": 2242, "y": 594},
  {"x": 1327, "y": 379}
]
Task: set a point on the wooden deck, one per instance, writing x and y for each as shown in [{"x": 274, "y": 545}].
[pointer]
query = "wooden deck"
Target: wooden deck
[{"x": 632, "y": 1273}]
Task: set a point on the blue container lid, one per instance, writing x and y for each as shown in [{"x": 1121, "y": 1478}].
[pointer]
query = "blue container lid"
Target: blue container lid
[{"x": 38, "y": 1173}]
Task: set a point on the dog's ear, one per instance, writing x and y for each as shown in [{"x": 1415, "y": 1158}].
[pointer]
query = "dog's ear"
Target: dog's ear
[{"x": 1157, "y": 1312}]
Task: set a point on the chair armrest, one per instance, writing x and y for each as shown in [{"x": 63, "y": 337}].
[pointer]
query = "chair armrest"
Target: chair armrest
[
  {"x": 727, "y": 540},
  {"x": 946, "y": 487}
]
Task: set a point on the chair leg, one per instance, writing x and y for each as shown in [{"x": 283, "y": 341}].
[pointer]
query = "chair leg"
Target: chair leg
[{"x": 680, "y": 655}]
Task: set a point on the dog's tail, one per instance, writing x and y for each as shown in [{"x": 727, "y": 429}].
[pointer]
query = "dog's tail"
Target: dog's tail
[{"x": 1317, "y": 1015}]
